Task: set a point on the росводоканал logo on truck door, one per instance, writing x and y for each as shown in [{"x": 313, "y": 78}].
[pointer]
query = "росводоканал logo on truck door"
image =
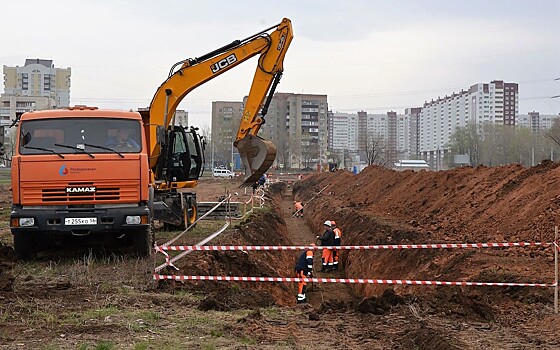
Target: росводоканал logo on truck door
[{"x": 63, "y": 171}]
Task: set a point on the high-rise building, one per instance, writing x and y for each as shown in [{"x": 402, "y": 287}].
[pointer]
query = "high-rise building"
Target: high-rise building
[
  {"x": 362, "y": 129},
  {"x": 496, "y": 102},
  {"x": 304, "y": 119},
  {"x": 343, "y": 131},
  {"x": 392, "y": 141},
  {"x": 182, "y": 118},
  {"x": 35, "y": 86},
  {"x": 295, "y": 123},
  {"x": 536, "y": 121},
  {"x": 413, "y": 117},
  {"x": 226, "y": 116}
]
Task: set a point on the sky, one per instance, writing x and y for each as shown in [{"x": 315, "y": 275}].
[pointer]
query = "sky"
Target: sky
[{"x": 366, "y": 55}]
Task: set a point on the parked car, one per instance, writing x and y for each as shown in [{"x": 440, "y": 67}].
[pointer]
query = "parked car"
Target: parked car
[{"x": 222, "y": 173}]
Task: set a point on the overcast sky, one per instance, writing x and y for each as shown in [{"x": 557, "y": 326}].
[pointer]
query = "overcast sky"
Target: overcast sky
[{"x": 365, "y": 55}]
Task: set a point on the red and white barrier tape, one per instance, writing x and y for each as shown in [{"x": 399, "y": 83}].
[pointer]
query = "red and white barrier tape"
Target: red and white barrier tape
[
  {"x": 169, "y": 262},
  {"x": 345, "y": 280},
  {"x": 356, "y": 247}
]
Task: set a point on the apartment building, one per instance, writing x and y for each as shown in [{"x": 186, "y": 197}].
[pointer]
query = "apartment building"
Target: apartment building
[
  {"x": 226, "y": 117},
  {"x": 343, "y": 131},
  {"x": 296, "y": 123},
  {"x": 35, "y": 86},
  {"x": 304, "y": 141},
  {"x": 536, "y": 121},
  {"x": 181, "y": 118},
  {"x": 412, "y": 115},
  {"x": 495, "y": 102}
]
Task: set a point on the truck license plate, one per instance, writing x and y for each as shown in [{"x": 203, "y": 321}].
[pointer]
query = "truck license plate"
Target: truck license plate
[{"x": 80, "y": 221}]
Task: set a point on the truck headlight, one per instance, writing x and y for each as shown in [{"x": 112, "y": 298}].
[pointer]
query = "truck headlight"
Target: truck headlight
[
  {"x": 26, "y": 222},
  {"x": 133, "y": 220}
]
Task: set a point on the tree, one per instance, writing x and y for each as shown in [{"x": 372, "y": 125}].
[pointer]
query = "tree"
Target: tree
[
  {"x": 376, "y": 150},
  {"x": 465, "y": 140},
  {"x": 497, "y": 144},
  {"x": 553, "y": 133},
  {"x": 283, "y": 154},
  {"x": 310, "y": 151}
]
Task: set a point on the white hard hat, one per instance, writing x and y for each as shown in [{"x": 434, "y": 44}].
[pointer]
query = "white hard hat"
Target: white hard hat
[{"x": 327, "y": 223}]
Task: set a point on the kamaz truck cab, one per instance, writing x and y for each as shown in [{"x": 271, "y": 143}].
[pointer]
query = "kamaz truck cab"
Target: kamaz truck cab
[{"x": 80, "y": 172}]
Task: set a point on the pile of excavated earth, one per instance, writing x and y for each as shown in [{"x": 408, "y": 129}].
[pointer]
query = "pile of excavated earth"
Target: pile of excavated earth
[
  {"x": 378, "y": 206},
  {"x": 381, "y": 206}
]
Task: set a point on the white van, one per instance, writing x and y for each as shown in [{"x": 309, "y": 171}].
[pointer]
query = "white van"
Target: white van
[{"x": 222, "y": 173}]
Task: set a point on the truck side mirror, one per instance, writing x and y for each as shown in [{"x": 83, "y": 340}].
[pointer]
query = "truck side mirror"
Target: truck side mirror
[{"x": 2, "y": 131}]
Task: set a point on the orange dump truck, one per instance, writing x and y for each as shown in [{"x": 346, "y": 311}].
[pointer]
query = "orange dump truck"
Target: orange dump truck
[{"x": 73, "y": 174}]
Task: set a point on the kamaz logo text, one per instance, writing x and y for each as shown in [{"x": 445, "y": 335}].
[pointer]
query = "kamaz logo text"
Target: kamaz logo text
[
  {"x": 80, "y": 189},
  {"x": 216, "y": 67}
]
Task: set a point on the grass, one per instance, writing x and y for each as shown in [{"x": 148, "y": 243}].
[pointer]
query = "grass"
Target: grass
[
  {"x": 194, "y": 235},
  {"x": 5, "y": 176}
]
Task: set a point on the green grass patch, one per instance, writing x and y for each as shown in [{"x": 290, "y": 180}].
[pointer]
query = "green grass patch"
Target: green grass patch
[{"x": 105, "y": 345}]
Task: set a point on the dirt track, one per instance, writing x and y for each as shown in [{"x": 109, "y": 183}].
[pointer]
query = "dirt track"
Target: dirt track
[{"x": 107, "y": 300}]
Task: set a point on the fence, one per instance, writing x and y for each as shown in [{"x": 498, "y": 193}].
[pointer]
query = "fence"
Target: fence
[
  {"x": 223, "y": 205},
  {"x": 164, "y": 248}
]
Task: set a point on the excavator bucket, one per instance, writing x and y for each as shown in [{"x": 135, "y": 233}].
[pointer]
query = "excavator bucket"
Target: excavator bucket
[{"x": 257, "y": 155}]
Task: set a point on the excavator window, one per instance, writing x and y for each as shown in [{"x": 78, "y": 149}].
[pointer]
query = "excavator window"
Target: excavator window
[{"x": 178, "y": 161}]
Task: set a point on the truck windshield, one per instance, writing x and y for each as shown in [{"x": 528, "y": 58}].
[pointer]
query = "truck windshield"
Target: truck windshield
[{"x": 80, "y": 135}]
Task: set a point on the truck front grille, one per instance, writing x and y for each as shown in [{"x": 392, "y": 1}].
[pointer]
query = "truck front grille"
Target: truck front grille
[
  {"x": 101, "y": 194},
  {"x": 105, "y": 192}
]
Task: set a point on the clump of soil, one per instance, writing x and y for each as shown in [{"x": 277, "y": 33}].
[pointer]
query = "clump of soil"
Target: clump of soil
[
  {"x": 426, "y": 338},
  {"x": 380, "y": 305}
]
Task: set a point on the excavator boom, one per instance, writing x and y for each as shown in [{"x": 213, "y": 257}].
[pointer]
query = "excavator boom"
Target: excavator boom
[{"x": 256, "y": 153}]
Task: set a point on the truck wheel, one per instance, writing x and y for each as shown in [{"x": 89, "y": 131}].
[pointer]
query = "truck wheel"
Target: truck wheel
[
  {"x": 191, "y": 214},
  {"x": 142, "y": 242},
  {"x": 25, "y": 245}
]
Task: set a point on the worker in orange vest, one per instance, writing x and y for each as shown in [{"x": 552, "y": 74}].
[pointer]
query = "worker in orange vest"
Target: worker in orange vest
[
  {"x": 304, "y": 269},
  {"x": 337, "y": 237},
  {"x": 327, "y": 240},
  {"x": 299, "y": 209}
]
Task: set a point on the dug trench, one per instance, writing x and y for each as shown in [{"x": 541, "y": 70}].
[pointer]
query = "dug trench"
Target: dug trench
[
  {"x": 378, "y": 321},
  {"x": 381, "y": 206},
  {"x": 369, "y": 316}
]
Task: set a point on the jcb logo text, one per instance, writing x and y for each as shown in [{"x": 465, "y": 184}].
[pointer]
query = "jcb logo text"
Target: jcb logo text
[{"x": 216, "y": 67}]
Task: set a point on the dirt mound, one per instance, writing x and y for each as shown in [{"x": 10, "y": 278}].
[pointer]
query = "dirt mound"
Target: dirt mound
[
  {"x": 502, "y": 204},
  {"x": 380, "y": 305},
  {"x": 427, "y": 338},
  {"x": 7, "y": 262},
  {"x": 264, "y": 227}
]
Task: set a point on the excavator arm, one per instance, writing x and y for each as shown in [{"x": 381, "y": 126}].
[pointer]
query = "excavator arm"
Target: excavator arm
[{"x": 256, "y": 153}]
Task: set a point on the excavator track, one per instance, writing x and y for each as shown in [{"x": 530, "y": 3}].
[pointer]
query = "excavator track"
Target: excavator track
[{"x": 257, "y": 155}]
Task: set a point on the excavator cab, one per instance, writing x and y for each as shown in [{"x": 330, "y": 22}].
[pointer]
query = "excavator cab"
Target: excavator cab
[{"x": 183, "y": 156}]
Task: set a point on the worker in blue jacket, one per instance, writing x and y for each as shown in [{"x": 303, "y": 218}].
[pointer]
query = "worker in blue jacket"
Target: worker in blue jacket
[{"x": 304, "y": 268}]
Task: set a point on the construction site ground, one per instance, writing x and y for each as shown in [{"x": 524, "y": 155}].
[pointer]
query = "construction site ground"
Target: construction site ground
[{"x": 99, "y": 298}]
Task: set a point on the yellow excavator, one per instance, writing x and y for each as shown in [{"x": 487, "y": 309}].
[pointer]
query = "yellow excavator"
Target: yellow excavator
[
  {"x": 105, "y": 174},
  {"x": 175, "y": 154}
]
